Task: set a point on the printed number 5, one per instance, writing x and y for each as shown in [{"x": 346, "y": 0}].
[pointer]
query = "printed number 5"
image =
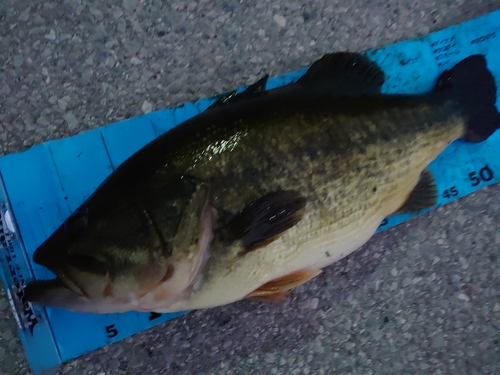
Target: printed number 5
[
  {"x": 474, "y": 179},
  {"x": 112, "y": 331}
]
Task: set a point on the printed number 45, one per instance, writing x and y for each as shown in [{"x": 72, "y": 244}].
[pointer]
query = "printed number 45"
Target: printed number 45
[{"x": 451, "y": 192}]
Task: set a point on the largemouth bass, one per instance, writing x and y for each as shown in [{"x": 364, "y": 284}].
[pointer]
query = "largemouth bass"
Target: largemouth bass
[{"x": 260, "y": 192}]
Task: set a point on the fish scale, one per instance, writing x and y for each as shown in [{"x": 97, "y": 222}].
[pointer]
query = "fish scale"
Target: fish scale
[{"x": 340, "y": 199}]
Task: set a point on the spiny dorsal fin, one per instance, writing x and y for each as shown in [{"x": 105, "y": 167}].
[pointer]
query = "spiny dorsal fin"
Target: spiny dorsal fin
[
  {"x": 275, "y": 290},
  {"x": 424, "y": 195},
  {"x": 223, "y": 98},
  {"x": 344, "y": 73},
  {"x": 250, "y": 92},
  {"x": 265, "y": 219}
]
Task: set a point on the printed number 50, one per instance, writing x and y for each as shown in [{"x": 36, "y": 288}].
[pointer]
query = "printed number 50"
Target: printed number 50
[{"x": 484, "y": 174}]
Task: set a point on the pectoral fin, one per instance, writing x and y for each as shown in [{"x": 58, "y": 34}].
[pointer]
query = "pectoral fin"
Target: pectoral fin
[
  {"x": 265, "y": 219},
  {"x": 276, "y": 289},
  {"x": 424, "y": 195}
]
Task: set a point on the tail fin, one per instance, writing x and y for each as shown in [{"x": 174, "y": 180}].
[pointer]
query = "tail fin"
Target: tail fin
[{"x": 473, "y": 86}]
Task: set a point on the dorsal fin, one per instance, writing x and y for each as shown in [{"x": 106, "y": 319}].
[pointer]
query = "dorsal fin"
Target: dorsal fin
[
  {"x": 340, "y": 73},
  {"x": 344, "y": 73},
  {"x": 250, "y": 92}
]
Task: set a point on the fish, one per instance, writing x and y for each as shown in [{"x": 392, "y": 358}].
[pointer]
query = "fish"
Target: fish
[{"x": 260, "y": 192}]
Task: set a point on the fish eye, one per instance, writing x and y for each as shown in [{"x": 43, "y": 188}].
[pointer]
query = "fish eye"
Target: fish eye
[{"x": 76, "y": 223}]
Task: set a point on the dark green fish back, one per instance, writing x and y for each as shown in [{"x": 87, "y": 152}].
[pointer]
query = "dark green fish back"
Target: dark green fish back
[{"x": 309, "y": 148}]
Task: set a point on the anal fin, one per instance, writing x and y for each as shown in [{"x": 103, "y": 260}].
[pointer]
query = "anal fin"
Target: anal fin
[
  {"x": 276, "y": 289},
  {"x": 424, "y": 195},
  {"x": 266, "y": 219}
]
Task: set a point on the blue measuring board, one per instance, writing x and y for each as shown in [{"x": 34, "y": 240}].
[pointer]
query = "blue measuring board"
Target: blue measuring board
[{"x": 39, "y": 188}]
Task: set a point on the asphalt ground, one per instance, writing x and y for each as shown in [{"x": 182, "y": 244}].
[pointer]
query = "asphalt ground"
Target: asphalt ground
[{"x": 421, "y": 298}]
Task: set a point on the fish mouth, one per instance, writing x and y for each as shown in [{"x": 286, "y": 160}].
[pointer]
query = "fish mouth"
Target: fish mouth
[{"x": 46, "y": 292}]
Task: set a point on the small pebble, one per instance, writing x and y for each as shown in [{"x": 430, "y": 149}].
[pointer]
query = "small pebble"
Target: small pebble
[
  {"x": 406, "y": 282},
  {"x": 136, "y": 361},
  {"x": 348, "y": 325},
  {"x": 62, "y": 104},
  {"x": 314, "y": 303},
  {"x": 129, "y": 5},
  {"x": 269, "y": 357},
  {"x": 113, "y": 364},
  {"x": 71, "y": 120},
  {"x": 117, "y": 13},
  {"x": 18, "y": 60},
  {"x": 24, "y": 16},
  {"x": 121, "y": 26},
  {"x": 463, "y": 262},
  {"x": 437, "y": 341},
  {"x": 5, "y": 90},
  {"x": 463, "y": 297},
  {"x": 116, "y": 351},
  {"x": 350, "y": 345},
  {"x": 96, "y": 13},
  {"x": 147, "y": 107},
  {"x": 423, "y": 366},
  {"x": 484, "y": 345},
  {"x": 79, "y": 9},
  {"x": 377, "y": 334},
  {"x": 7, "y": 334},
  {"x": 280, "y": 20},
  {"x": 135, "y": 61},
  {"x": 416, "y": 280},
  {"x": 51, "y": 35}
]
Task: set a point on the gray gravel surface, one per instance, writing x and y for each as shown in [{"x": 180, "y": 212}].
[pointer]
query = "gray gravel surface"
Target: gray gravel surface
[{"x": 422, "y": 298}]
